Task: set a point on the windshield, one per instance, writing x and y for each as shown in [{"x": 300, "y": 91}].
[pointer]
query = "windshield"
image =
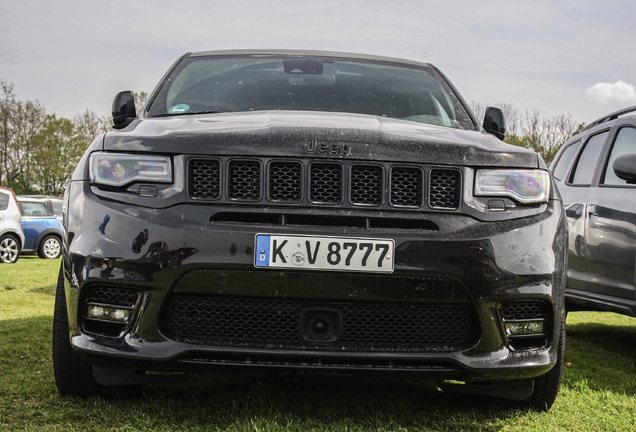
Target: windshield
[{"x": 253, "y": 83}]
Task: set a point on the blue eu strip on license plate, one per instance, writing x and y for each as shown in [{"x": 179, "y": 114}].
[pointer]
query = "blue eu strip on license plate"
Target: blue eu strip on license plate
[{"x": 324, "y": 253}]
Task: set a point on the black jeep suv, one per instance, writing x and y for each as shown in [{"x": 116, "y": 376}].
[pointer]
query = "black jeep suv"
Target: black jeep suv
[
  {"x": 310, "y": 211},
  {"x": 596, "y": 174}
]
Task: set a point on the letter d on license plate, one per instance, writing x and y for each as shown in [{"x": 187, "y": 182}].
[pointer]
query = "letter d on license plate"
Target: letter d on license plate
[{"x": 324, "y": 253}]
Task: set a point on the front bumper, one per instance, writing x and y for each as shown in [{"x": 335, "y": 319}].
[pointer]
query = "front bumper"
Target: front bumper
[{"x": 476, "y": 268}]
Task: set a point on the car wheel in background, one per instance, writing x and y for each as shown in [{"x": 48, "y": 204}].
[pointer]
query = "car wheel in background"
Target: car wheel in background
[
  {"x": 73, "y": 374},
  {"x": 9, "y": 249},
  {"x": 50, "y": 248}
]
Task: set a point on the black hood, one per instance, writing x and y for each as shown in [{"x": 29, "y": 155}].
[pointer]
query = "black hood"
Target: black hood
[{"x": 323, "y": 135}]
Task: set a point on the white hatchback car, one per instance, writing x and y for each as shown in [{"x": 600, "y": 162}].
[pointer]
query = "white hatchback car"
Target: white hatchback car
[{"x": 11, "y": 235}]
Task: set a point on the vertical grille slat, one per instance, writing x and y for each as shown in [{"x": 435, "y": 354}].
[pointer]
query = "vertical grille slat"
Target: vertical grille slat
[
  {"x": 245, "y": 180},
  {"x": 366, "y": 185},
  {"x": 326, "y": 183},
  {"x": 285, "y": 180},
  {"x": 406, "y": 186},
  {"x": 205, "y": 179},
  {"x": 444, "y": 189}
]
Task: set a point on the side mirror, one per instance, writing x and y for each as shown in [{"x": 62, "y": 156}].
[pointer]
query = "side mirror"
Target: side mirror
[
  {"x": 494, "y": 122},
  {"x": 123, "y": 109},
  {"x": 574, "y": 211},
  {"x": 625, "y": 167}
]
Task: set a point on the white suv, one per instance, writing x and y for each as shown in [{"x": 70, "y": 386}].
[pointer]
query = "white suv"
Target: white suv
[{"x": 11, "y": 235}]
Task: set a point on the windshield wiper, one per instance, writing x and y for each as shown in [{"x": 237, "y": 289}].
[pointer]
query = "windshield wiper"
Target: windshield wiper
[{"x": 189, "y": 113}]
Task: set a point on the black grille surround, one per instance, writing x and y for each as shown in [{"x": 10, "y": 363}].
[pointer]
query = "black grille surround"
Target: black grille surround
[
  {"x": 308, "y": 182},
  {"x": 244, "y": 180},
  {"x": 109, "y": 296},
  {"x": 444, "y": 191},
  {"x": 205, "y": 179},
  {"x": 524, "y": 311},
  {"x": 274, "y": 323}
]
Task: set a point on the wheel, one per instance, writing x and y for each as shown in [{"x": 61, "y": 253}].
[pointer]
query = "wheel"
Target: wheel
[
  {"x": 73, "y": 374},
  {"x": 50, "y": 247},
  {"x": 546, "y": 387},
  {"x": 9, "y": 249}
]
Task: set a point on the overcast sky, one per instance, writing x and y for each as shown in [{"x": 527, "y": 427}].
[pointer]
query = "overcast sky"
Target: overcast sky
[{"x": 559, "y": 56}]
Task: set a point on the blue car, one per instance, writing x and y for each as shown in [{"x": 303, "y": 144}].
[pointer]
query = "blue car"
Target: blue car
[{"x": 42, "y": 230}]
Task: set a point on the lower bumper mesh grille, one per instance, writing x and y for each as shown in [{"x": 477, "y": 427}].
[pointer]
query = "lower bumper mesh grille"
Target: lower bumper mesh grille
[{"x": 395, "y": 327}]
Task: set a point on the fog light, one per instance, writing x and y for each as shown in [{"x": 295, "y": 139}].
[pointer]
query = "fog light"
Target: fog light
[
  {"x": 109, "y": 313},
  {"x": 521, "y": 328},
  {"x": 95, "y": 311}
]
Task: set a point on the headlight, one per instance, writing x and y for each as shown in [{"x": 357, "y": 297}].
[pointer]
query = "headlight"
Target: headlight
[
  {"x": 114, "y": 169},
  {"x": 525, "y": 186}
]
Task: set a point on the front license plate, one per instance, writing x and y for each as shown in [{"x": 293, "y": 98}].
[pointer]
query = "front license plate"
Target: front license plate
[{"x": 324, "y": 253}]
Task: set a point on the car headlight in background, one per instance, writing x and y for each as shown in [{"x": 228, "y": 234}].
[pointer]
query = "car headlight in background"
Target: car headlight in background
[
  {"x": 525, "y": 186},
  {"x": 116, "y": 169}
]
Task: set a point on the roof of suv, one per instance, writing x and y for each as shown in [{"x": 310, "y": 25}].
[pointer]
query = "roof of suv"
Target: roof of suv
[
  {"x": 335, "y": 54},
  {"x": 608, "y": 117}
]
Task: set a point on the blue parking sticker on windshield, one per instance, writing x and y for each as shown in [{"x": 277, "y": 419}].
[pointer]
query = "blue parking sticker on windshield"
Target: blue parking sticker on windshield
[
  {"x": 262, "y": 251},
  {"x": 178, "y": 109}
]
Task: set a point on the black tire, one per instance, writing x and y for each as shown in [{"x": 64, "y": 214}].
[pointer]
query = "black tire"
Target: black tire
[
  {"x": 73, "y": 374},
  {"x": 9, "y": 249},
  {"x": 50, "y": 247},
  {"x": 546, "y": 387}
]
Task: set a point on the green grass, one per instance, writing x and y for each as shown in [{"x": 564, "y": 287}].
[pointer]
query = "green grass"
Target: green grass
[{"x": 598, "y": 391}]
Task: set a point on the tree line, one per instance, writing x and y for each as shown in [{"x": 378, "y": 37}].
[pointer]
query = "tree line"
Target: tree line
[
  {"x": 39, "y": 150},
  {"x": 544, "y": 135}
]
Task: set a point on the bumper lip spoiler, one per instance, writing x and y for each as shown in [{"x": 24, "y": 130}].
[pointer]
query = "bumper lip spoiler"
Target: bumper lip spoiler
[
  {"x": 497, "y": 365},
  {"x": 516, "y": 390},
  {"x": 118, "y": 377}
]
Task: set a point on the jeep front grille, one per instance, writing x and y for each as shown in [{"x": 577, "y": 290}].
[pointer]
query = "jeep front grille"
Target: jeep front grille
[{"x": 310, "y": 183}]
